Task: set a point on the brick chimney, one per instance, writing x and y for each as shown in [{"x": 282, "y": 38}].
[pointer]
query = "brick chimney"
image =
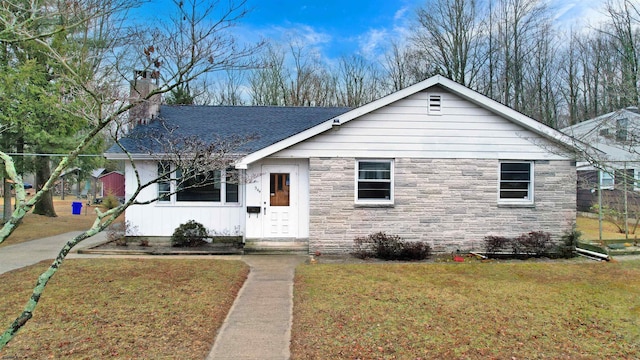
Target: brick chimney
[{"x": 143, "y": 83}]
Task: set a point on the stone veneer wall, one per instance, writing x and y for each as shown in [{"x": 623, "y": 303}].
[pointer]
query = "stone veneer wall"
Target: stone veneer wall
[{"x": 449, "y": 203}]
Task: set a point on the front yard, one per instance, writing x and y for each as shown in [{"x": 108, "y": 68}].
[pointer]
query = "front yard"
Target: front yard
[
  {"x": 519, "y": 310},
  {"x": 127, "y": 309}
]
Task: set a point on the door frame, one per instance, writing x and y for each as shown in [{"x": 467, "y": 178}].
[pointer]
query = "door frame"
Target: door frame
[{"x": 293, "y": 207}]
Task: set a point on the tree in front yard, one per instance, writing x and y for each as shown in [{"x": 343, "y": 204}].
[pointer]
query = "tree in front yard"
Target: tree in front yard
[{"x": 89, "y": 81}]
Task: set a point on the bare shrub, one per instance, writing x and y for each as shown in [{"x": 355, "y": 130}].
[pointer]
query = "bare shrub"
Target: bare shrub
[{"x": 389, "y": 247}]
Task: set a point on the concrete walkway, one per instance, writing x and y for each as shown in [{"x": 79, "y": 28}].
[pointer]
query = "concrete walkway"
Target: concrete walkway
[
  {"x": 259, "y": 323},
  {"x": 30, "y": 252}
]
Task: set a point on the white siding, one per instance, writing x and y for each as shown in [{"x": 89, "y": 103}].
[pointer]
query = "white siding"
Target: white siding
[
  {"x": 405, "y": 129},
  {"x": 161, "y": 219}
]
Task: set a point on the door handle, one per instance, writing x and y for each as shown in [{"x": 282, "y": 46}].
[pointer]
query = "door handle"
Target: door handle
[{"x": 265, "y": 210}]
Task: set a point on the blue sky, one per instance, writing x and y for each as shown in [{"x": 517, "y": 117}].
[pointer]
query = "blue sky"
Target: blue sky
[
  {"x": 334, "y": 28},
  {"x": 337, "y": 27},
  {"x": 365, "y": 26}
]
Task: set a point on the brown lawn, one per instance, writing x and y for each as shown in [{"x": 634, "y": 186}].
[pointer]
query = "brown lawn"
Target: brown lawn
[
  {"x": 589, "y": 227},
  {"x": 122, "y": 309},
  {"x": 38, "y": 226},
  {"x": 522, "y": 310}
]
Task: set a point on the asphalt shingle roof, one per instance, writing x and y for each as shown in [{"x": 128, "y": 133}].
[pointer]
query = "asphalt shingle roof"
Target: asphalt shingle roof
[{"x": 269, "y": 123}]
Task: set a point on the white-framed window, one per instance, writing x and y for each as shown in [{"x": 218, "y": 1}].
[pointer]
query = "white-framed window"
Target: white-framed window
[
  {"x": 516, "y": 182},
  {"x": 164, "y": 184},
  {"x": 607, "y": 180},
  {"x": 435, "y": 104},
  {"x": 374, "y": 181},
  {"x": 205, "y": 187}
]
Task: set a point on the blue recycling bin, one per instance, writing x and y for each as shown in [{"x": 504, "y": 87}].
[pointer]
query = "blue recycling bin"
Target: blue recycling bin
[{"x": 76, "y": 208}]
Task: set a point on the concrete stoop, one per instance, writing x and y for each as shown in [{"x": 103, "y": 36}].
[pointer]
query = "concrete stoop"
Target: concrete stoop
[{"x": 276, "y": 247}]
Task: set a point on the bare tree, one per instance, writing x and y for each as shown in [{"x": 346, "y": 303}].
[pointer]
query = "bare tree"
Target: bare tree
[
  {"x": 229, "y": 90},
  {"x": 623, "y": 30},
  {"x": 516, "y": 24},
  {"x": 404, "y": 66},
  {"x": 206, "y": 47},
  {"x": 450, "y": 36},
  {"x": 267, "y": 82},
  {"x": 359, "y": 81}
]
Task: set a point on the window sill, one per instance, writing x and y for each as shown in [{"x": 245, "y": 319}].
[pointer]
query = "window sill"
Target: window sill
[
  {"x": 374, "y": 206},
  {"x": 516, "y": 205}
]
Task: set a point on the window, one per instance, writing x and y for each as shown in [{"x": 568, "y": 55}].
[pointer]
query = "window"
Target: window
[
  {"x": 207, "y": 187},
  {"x": 516, "y": 182},
  {"x": 435, "y": 104},
  {"x": 231, "y": 189},
  {"x": 606, "y": 180},
  {"x": 621, "y": 129},
  {"x": 201, "y": 187},
  {"x": 374, "y": 181},
  {"x": 164, "y": 183}
]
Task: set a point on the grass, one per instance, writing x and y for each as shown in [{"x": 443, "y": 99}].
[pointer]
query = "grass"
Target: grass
[
  {"x": 521, "y": 310},
  {"x": 38, "y": 226},
  {"x": 117, "y": 308},
  {"x": 589, "y": 228}
]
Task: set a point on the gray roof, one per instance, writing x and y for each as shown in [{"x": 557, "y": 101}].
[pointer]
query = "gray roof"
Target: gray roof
[
  {"x": 269, "y": 124},
  {"x": 600, "y": 133}
]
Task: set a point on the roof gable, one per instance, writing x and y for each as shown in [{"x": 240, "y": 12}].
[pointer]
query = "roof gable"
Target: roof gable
[
  {"x": 482, "y": 101},
  {"x": 603, "y": 133}
]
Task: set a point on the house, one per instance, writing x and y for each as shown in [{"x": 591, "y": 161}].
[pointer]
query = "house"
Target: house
[
  {"x": 74, "y": 182},
  {"x": 615, "y": 136},
  {"x": 434, "y": 162}
]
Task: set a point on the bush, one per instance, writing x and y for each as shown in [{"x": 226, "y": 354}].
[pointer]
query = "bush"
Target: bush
[
  {"x": 389, "y": 247},
  {"x": 567, "y": 249},
  {"x": 190, "y": 234},
  {"x": 110, "y": 202},
  {"x": 415, "y": 250},
  {"x": 494, "y": 244},
  {"x": 118, "y": 231},
  {"x": 535, "y": 243}
]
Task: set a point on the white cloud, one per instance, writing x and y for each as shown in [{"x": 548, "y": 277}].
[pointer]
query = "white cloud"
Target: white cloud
[
  {"x": 373, "y": 42},
  {"x": 401, "y": 13},
  {"x": 578, "y": 14}
]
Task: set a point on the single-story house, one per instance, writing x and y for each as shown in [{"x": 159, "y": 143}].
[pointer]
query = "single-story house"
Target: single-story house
[
  {"x": 617, "y": 161},
  {"x": 434, "y": 162}
]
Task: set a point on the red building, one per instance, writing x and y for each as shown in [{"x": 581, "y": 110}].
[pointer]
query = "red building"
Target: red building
[{"x": 112, "y": 184}]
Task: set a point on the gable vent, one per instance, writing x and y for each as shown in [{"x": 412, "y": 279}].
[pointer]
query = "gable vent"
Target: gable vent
[{"x": 435, "y": 104}]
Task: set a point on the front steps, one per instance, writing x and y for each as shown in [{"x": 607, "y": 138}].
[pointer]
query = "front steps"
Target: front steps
[{"x": 259, "y": 246}]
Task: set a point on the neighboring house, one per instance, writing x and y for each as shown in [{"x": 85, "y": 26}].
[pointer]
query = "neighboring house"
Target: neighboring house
[
  {"x": 615, "y": 136},
  {"x": 435, "y": 162},
  {"x": 71, "y": 183}
]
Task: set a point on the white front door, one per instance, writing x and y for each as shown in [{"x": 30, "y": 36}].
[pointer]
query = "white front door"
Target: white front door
[{"x": 280, "y": 201}]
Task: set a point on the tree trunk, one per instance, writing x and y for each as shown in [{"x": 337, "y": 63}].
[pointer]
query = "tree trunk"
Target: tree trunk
[
  {"x": 43, "y": 172},
  {"x": 8, "y": 209}
]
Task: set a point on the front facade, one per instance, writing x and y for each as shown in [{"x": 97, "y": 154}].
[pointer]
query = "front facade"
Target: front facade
[{"x": 435, "y": 162}]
